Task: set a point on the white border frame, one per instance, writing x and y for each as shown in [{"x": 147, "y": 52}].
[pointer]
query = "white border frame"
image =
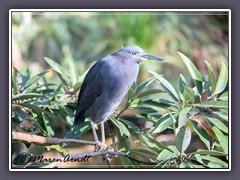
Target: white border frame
[{"x": 119, "y": 10}]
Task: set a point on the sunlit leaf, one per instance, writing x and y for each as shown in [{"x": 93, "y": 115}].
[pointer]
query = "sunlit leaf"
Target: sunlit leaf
[
  {"x": 224, "y": 96},
  {"x": 182, "y": 83},
  {"x": 183, "y": 139},
  {"x": 222, "y": 139},
  {"x": 212, "y": 104},
  {"x": 144, "y": 84},
  {"x": 209, "y": 152},
  {"x": 218, "y": 124},
  {"x": 162, "y": 124},
  {"x": 166, "y": 154},
  {"x": 221, "y": 115},
  {"x": 28, "y": 96},
  {"x": 161, "y": 145},
  {"x": 77, "y": 87},
  {"x": 148, "y": 92},
  {"x": 34, "y": 79},
  {"x": 129, "y": 124},
  {"x": 188, "y": 94},
  {"x": 73, "y": 72},
  {"x": 211, "y": 162},
  {"x": 166, "y": 86},
  {"x": 146, "y": 142},
  {"x": 197, "y": 78},
  {"x": 122, "y": 128},
  {"x": 211, "y": 76},
  {"x": 183, "y": 117},
  {"x": 55, "y": 66},
  {"x": 222, "y": 80}
]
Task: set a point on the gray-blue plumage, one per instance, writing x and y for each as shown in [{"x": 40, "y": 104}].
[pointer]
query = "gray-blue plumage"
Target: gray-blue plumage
[{"x": 107, "y": 83}]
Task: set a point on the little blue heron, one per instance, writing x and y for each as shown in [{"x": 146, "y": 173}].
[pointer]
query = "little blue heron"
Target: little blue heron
[{"x": 106, "y": 84}]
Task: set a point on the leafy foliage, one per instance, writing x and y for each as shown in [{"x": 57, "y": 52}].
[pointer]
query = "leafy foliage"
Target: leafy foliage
[{"x": 200, "y": 110}]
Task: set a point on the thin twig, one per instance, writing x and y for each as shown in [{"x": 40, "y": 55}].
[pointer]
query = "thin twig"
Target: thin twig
[
  {"x": 126, "y": 107},
  {"x": 122, "y": 111},
  {"x": 40, "y": 140}
]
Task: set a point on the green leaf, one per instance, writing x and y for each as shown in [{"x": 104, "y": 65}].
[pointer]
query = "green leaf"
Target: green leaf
[
  {"x": 159, "y": 144},
  {"x": 211, "y": 76},
  {"x": 195, "y": 74},
  {"x": 182, "y": 83},
  {"x": 27, "y": 96},
  {"x": 222, "y": 139},
  {"x": 221, "y": 115},
  {"x": 212, "y": 104},
  {"x": 77, "y": 87},
  {"x": 183, "y": 117},
  {"x": 211, "y": 162},
  {"x": 73, "y": 72},
  {"x": 47, "y": 125},
  {"x": 14, "y": 79},
  {"x": 129, "y": 124},
  {"x": 222, "y": 80},
  {"x": 34, "y": 79},
  {"x": 188, "y": 94},
  {"x": 148, "y": 92},
  {"x": 147, "y": 110},
  {"x": 218, "y": 124},
  {"x": 201, "y": 134},
  {"x": 146, "y": 142},
  {"x": 224, "y": 96},
  {"x": 143, "y": 151},
  {"x": 144, "y": 84},
  {"x": 65, "y": 80},
  {"x": 58, "y": 148},
  {"x": 67, "y": 110},
  {"x": 166, "y": 86},
  {"x": 162, "y": 124},
  {"x": 60, "y": 72},
  {"x": 55, "y": 66},
  {"x": 183, "y": 139},
  {"x": 122, "y": 128},
  {"x": 209, "y": 152},
  {"x": 190, "y": 164},
  {"x": 77, "y": 131},
  {"x": 162, "y": 103},
  {"x": 166, "y": 154},
  {"x": 35, "y": 108}
]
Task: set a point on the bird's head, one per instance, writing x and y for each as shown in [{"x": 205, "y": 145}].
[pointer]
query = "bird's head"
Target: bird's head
[{"x": 136, "y": 54}]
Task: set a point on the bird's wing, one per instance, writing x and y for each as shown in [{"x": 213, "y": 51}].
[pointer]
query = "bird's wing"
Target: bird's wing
[{"x": 92, "y": 88}]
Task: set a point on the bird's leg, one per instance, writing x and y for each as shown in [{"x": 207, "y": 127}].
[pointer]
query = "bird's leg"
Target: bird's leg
[
  {"x": 94, "y": 132},
  {"x": 104, "y": 145},
  {"x": 103, "y": 132},
  {"x": 98, "y": 143}
]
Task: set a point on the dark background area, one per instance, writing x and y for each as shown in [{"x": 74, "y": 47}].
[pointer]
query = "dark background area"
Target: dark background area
[{"x": 119, "y": 4}]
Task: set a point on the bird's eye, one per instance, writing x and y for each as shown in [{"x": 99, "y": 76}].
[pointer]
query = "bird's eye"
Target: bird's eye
[{"x": 134, "y": 53}]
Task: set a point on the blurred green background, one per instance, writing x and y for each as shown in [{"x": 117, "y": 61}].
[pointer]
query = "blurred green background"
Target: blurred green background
[{"x": 84, "y": 37}]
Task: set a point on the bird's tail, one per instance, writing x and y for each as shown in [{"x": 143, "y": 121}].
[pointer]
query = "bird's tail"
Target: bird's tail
[{"x": 79, "y": 119}]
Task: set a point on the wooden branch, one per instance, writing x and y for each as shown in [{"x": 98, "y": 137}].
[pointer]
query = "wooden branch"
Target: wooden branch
[
  {"x": 86, "y": 156},
  {"x": 40, "y": 140}
]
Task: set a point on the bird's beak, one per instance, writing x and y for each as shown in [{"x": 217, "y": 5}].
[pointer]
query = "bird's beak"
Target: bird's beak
[{"x": 146, "y": 57}]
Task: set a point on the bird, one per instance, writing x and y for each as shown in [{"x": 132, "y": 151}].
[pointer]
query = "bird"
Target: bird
[{"x": 105, "y": 86}]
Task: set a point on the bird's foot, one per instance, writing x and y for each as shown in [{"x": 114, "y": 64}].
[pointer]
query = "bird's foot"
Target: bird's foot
[{"x": 100, "y": 146}]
